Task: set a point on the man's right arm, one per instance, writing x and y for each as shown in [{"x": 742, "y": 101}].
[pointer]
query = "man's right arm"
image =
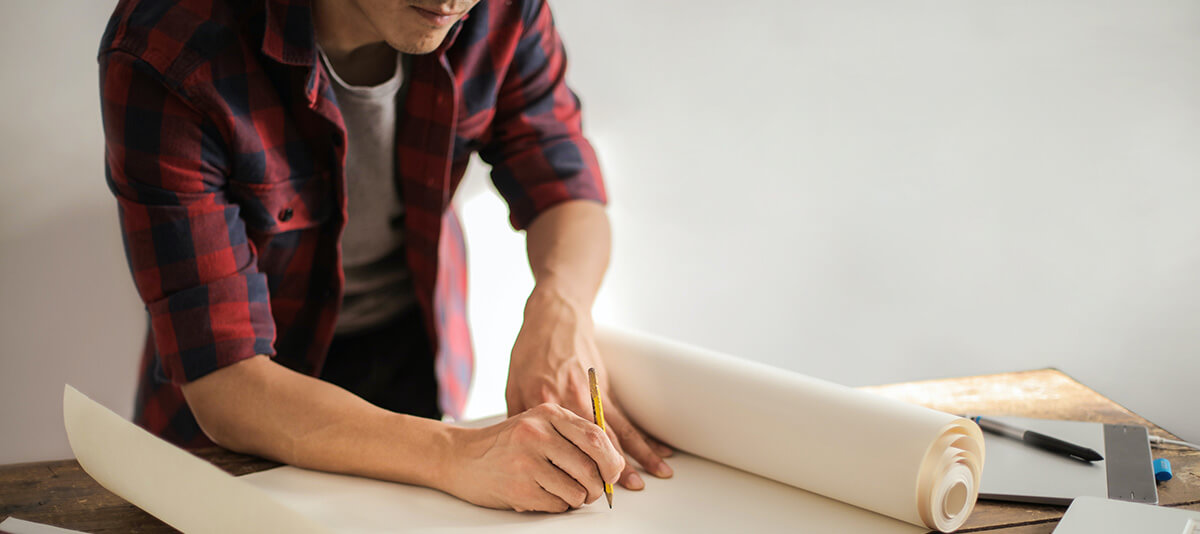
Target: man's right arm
[
  {"x": 544, "y": 459},
  {"x": 209, "y": 308},
  {"x": 259, "y": 407}
]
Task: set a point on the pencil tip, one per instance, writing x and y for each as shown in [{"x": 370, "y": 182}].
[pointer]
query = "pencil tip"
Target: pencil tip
[{"x": 609, "y": 497}]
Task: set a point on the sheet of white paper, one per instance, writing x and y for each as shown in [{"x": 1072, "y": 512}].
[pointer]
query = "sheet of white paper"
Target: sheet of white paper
[
  {"x": 183, "y": 491},
  {"x": 702, "y": 497},
  {"x": 1096, "y": 515},
  {"x": 13, "y": 525}
]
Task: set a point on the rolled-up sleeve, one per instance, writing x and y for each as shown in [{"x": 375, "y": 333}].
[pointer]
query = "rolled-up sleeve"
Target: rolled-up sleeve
[
  {"x": 185, "y": 241},
  {"x": 536, "y": 147}
]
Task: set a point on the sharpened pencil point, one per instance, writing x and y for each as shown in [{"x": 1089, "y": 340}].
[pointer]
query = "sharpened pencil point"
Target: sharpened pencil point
[{"x": 609, "y": 497}]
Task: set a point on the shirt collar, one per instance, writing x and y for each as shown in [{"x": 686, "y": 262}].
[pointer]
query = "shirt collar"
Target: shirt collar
[
  {"x": 289, "y": 37},
  {"x": 451, "y": 35}
]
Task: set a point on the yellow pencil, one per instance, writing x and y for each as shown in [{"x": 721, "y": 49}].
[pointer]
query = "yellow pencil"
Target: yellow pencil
[{"x": 598, "y": 411}]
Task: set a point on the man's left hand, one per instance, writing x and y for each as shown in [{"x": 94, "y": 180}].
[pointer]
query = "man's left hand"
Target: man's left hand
[{"x": 550, "y": 359}]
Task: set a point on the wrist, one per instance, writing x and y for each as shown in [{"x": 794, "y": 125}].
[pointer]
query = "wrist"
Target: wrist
[
  {"x": 552, "y": 295},
  {"x": 424, "y": 461},
  {"x": 456, "y": 451}
]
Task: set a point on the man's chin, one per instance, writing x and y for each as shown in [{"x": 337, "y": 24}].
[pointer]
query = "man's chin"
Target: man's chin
[{"x": 420, "y": 45}]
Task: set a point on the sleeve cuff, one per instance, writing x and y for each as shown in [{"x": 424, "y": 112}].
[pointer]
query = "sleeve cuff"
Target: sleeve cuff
[
  {"x": 532, "y": 189},
  {"x": 204, "y": 328}
]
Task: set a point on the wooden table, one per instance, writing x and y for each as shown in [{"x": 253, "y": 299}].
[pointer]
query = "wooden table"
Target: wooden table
[
  {"x": 60, "y": 493},
  {"x": 1044, "y": 394}
]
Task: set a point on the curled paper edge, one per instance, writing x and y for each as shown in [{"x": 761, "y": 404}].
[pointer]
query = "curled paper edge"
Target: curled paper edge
[{"x": 167, "y": 482}]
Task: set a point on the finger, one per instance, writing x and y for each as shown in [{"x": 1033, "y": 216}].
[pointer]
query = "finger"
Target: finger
[
  {"x": 572, "y": 461},
  {"x": 635, "y": 444},
  {"x": 593, "y": 442},
  {"x": 661, "y": 449},
  {"x": 540, "y": 500},
  {"x": 579, "y": 466},
  {"x": 560, "y": 485},
  {"x": 628, "y": 479}
]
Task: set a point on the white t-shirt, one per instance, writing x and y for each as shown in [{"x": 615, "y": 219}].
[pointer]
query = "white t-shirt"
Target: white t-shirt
[{"x": 378, "y": 280}]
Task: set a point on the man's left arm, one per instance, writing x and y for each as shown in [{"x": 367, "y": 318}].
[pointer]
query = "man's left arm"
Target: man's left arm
[
  {"x": 568, "y": 248},
  {"x": 549, "y": 176}
]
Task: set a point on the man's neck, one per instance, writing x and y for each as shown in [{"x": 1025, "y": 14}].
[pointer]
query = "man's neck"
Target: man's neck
[{"x": 351, "y": 43}]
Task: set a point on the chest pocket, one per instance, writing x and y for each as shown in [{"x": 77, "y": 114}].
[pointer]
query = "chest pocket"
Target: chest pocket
[{"x": 295, "y": 204}]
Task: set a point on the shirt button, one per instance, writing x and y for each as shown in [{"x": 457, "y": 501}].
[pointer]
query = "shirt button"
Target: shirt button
[{"x": 285, "y": 215}]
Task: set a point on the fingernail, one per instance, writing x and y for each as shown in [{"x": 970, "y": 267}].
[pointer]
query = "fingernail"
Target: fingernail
[
  {"x": 635, "y": 481},
  {"x": 664, "y": 470}
]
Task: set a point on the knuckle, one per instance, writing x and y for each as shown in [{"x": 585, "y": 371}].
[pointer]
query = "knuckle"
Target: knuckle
[
  {"x": 595, "y": 437},
  {"x": 525, "y": 424},
  {"x": 627, "y": 432},
  {"x": 528, "y": 429},
  {"x": 615, "y": 470},
  {"x": 616, "y": 440},
  {"x": 578, "y": 497}
]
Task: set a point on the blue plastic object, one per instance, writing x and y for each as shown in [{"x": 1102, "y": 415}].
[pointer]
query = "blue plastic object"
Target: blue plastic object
[{"x": 1162, "y": 470}]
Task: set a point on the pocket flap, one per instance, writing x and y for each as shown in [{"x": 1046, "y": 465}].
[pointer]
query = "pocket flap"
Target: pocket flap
[{"x": 294, "y": 204}]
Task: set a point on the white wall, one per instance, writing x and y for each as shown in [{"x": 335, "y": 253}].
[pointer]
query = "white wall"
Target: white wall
[
  {"x": 875, "y": 191},
  {"x": 69, "y": 312},
  {"x": 867, "y": 192}
]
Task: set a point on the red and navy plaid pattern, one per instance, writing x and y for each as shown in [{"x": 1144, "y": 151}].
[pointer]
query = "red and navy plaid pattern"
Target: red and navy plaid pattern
[{"x": 226, "y": 151}]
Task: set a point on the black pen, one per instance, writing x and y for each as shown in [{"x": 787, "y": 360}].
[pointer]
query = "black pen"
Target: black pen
[{"x": 1037, "y": 439}]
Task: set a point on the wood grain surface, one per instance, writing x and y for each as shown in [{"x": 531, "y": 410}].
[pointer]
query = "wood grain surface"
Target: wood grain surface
[
  {"x": 60, "y": 493},
  {"x": 1043, "y": 394}
]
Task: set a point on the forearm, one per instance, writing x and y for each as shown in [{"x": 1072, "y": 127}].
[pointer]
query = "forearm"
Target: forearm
[
  {"x": 568, "y": 249},
  {"x": 260, "y": 407}
]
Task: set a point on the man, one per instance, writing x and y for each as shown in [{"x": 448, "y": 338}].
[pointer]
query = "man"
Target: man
[{"x": 284, "y": 172}]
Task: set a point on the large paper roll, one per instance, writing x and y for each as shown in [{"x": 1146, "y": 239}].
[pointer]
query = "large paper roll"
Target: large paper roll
[{"x": 901, "y": 460}]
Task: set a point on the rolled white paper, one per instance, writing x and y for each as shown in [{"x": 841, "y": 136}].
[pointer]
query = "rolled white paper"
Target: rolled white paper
[{"x": 898, "y": 459}]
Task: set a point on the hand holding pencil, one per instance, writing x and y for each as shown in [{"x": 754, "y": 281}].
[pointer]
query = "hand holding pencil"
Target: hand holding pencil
[{"x": 549, "y": 364}]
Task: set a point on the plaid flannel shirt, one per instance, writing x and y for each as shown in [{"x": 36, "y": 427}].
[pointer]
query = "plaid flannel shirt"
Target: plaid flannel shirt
[{"x": 226, "y": 154}]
